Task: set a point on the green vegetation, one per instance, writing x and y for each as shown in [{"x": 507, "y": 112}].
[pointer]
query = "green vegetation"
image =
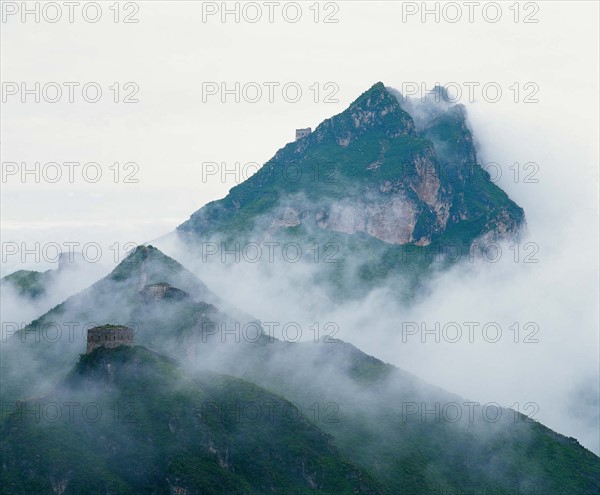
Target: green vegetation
[
  {"x": 377, "y": 428},
  {"x": 165, "y": 430},
  {"x": 29, "y": 283},
  {"x": 150, "y": 429},
  {"x": 360, "y": 401},
  {"x": 369, "y": 155}
]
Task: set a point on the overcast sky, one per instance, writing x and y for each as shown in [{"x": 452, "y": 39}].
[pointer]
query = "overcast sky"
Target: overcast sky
[
  {"x": 170, "y": 132},
  {"x": 171, "y": 58}
]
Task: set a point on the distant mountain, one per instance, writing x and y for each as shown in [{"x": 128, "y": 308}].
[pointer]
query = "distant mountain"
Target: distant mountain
[
  {"x": 410, "y": 436},
  {"x": 34, "y": 284},
  {"x": 386, "y": 177},
  {"x": 154, "y": 429},
  {"x": 29, "y": 283}
]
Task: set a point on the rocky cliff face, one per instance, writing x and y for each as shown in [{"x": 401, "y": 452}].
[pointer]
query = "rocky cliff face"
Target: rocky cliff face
[
  {"x": 372, "y": 169},
  {"x": 162, "y": 291}
]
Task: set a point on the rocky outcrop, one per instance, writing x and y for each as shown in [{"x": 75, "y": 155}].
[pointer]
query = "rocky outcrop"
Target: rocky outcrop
[
  {"x": 389, "y": 213},
  {"x": 391, "y": 221},
  {"x": 162, "y": 292}
]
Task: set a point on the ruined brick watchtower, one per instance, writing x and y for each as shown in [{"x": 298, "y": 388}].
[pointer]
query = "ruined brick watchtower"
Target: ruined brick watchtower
[
  {"x": 108, "y": 336},
  {"x": 300, "y": 133}
]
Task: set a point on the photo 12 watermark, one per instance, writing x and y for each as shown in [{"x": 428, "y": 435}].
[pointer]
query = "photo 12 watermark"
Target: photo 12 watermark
[
  {"x": 271, "y": 12},
  {"x": 271, "y": 173},
  {"x": 253, "y": 332},
  {"x": 269, "y": 92},
  {"x": 470, "y": 12},
  {"x": 470, "y": 92},
  {"x": 69, "y": 92},
  {"x": 39, "y": 411},
  {"x": 68, "y": 252},
  {"x": 70, "y": 172},
  {"x": 453, "y": 332},
  {"x": 69, "y": 12},
  {"x": 469, "y": 411}
]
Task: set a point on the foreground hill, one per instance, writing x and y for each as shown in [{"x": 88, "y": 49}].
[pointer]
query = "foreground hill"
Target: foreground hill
[
  {"x": 412, "y": 437},
  {"x": 137, "y": 424}
]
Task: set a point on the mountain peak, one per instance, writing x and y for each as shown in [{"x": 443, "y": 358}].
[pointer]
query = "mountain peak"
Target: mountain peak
[
  {"x": 143, "y": 252},
  {"x": 375, "y": 110},
  {"x": 384, "y": 174},
  {"x": 376, "y": 96},
  {"x": 140, "y": 259}
]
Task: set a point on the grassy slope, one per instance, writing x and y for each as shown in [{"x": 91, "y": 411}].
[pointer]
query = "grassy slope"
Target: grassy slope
[
  {"x": 169, "y": 431},
  {"x": 370, "y": 432}
]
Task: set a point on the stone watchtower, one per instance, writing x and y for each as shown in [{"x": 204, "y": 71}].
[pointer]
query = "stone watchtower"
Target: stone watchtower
[
  {"x": 300, "y": 133},
  {"x": 109, "y": 336}
]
